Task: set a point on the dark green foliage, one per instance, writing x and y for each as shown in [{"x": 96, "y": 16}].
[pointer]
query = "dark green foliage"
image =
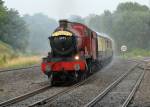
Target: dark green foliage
[
  {"x": 128, "y": 25},
  {"x": 13, "y": 29}
]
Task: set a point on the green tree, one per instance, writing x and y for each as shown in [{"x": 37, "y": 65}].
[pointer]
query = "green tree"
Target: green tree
[
  {"x": 13, "y": 29},
  {"x": 128, "y": 25}
]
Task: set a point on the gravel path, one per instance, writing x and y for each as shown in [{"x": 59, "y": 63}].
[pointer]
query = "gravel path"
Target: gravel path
[
  {"x": 82, "y": 95},
  {"x": 19, "y": 82}
]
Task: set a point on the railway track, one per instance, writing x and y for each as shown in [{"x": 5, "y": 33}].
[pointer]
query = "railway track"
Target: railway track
[
  {"x": 23, "y": 97},
  {"x": 54, "y": 97},
  {"x": 16, "y": 69},
  {"x": 116, "y": 94}
]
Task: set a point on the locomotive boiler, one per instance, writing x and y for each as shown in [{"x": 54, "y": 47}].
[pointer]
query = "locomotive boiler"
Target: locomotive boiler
[{"x": 75, "y": 51}]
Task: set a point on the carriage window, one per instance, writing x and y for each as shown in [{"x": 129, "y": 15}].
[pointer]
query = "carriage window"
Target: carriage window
[
  {"x": 107, "y": 43},
  {"x": 86, "y": 32}
]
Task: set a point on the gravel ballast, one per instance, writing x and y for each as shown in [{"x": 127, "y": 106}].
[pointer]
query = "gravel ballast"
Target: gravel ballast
[{"x": 18, "y": 82}]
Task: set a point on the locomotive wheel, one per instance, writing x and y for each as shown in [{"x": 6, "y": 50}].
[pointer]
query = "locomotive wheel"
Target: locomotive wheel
[
  {"x": 76, "y": 76},
  {"x": 89, "y": 67},
  {"x": 90, "y": 70},
  {"x": 83, "y": 76}
]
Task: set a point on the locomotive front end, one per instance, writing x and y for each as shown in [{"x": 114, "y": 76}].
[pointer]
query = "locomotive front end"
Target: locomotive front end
[
  {"x": 64, "y": 62},
  {"x": 63, "y": 43}
]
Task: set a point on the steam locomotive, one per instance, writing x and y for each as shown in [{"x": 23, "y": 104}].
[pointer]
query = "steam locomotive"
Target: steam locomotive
[{"x": 75, "y": 51}]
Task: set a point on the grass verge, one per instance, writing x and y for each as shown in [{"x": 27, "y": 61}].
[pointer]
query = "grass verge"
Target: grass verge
[
  {"x": 21, "y": 61},
  {"x": 13, "y": 59}
]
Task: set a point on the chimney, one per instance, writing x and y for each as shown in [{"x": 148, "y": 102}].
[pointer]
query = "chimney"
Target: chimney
[{"x": 63, "y": 23}]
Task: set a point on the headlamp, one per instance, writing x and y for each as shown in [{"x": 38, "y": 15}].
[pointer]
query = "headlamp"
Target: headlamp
[{"x": 76, "y": 57}]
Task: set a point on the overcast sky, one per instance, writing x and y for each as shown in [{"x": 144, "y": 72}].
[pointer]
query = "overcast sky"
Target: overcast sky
[{"x": 64, "y": 8}]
